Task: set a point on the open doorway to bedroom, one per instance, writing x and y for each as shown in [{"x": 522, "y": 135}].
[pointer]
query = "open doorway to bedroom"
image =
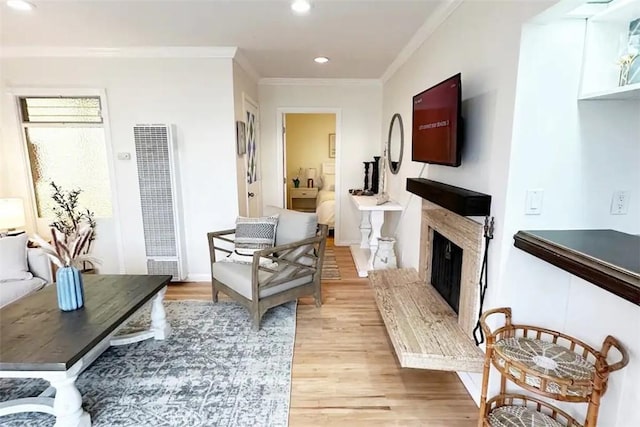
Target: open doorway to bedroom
[{"x": 309, "y": 158}]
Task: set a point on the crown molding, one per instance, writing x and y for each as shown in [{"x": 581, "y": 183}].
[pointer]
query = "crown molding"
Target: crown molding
[
  {"x": 246, "y": 65},
  {"x": 271, "y": 81},
  {"x": 118, "y": 52},
  {"x": 432, "y": 23}
]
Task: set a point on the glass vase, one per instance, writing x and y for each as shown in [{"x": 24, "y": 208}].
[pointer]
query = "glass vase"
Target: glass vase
[{"x": 70, "y": 289}]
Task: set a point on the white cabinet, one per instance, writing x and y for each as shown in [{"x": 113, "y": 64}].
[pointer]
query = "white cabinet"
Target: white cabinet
[{"x": 612, "y": 36}]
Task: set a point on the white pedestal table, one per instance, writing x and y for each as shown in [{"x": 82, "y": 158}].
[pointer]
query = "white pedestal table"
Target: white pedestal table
[{"x": 371, "y": 221}]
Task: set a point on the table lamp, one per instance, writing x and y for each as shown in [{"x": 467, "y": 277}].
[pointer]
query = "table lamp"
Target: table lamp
[
  {"x": 11, "y": 215},
  {"x": 311, "y": 176}
]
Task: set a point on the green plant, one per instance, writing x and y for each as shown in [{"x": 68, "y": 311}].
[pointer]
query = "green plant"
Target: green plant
[{"x": 69, "y": 218}]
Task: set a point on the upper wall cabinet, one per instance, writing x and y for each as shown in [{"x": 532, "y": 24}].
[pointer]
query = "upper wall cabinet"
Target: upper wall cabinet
[{"x": 611, "y": 68}]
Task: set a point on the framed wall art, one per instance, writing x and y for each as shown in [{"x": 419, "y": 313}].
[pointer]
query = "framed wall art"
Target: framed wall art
[
  {"x": 241, "y": 138},
  {"x": 332, "y": 145}
]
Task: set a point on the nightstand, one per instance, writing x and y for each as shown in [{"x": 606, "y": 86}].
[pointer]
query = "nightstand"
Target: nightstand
[{"x": 303, "y": 199}]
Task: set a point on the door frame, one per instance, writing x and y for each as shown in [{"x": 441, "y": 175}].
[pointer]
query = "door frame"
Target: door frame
[{"x": 280, "y": 147}]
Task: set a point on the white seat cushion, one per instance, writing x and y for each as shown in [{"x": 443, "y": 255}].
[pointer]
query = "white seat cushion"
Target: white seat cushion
[
  {"x": 237, "y": 276},
  {"x": 14, "y": 290}
]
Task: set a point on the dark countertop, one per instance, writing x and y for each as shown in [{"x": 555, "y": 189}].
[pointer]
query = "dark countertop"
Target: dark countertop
[{"x": 609, "y": 259}]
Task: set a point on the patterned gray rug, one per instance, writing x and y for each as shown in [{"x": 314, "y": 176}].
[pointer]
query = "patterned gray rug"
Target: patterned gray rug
[{"x": 212, "y": 371}]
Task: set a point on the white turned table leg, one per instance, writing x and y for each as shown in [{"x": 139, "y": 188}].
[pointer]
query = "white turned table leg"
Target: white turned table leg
[
  {"x": 159, "y": 324},
  {"x": 377, "y": 219},
  {"x": 365, "y": 229},
  {"x": 159, "y": 328},
  {"x": 67, "y": 405}
]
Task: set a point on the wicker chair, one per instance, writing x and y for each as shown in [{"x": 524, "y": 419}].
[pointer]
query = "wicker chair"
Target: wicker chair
[{"x": 298, "y": 253}]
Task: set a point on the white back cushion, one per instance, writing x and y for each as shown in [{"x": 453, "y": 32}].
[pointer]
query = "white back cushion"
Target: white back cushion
[
  {"x": 13, "y": 258},
  {"x": 293, "y": 225}
]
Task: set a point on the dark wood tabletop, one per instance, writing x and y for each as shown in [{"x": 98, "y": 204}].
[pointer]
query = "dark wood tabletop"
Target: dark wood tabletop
[
  {"x": 607, "y": 258},
  {"x": 36, "y": 335}
]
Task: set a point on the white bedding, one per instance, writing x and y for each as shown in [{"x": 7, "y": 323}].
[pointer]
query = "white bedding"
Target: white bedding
[{"x": 325, "y": 207}]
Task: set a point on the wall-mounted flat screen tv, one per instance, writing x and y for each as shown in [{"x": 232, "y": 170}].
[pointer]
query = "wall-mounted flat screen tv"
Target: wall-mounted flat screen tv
[{"x": 437, "y": 124}]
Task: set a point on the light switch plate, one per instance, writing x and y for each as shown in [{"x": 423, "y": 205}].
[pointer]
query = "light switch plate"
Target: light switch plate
[
  {"x": 533, "y": 204},
  {"x": 124, "y": 156}
]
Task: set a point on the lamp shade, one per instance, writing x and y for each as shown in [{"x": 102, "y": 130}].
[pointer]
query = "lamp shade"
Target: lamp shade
[
  {"x": 11, "y": 214},
  {"x": 311, "y": 173}
]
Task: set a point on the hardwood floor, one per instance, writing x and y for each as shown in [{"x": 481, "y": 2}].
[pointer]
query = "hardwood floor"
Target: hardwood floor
[{"x": 345, "y": 371}]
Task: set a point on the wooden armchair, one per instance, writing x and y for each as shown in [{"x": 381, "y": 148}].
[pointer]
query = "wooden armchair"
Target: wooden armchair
[{"x": 299, "y": 255}]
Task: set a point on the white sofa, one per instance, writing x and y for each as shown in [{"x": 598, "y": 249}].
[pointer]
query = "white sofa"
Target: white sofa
[{"x": 39, "y": 266}]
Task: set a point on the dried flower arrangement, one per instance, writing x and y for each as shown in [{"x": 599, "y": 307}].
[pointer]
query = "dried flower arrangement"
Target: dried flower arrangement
[{"x": 68, "y": 250}]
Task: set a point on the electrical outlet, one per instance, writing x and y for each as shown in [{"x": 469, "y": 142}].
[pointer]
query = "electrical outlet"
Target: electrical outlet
[
  {"x": 124, "y": 156},
  {"x": 533, "y": 204},
  {"x": 620, "y": 202}
]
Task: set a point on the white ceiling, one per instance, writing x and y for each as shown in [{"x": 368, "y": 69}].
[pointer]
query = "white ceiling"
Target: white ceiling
[{"x": 362, "y": 37}]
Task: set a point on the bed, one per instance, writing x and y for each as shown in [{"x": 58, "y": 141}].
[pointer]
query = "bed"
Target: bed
[{"x": 326, "y": 200}]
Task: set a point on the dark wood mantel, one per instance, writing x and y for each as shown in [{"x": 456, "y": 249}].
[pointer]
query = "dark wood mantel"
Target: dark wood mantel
[
  {"x": 607, "y": 258},
  {"x": 456, "y": 199}
]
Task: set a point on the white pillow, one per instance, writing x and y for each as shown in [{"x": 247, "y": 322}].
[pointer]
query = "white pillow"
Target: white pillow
[
  {"x": 13, "y": 258},
  {"x": 253, "y": 234},
  {"x": 328, "y": 182}
]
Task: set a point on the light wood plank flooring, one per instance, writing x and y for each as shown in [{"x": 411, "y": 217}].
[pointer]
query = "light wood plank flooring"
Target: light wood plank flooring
[{"x": 344, "y": 369}]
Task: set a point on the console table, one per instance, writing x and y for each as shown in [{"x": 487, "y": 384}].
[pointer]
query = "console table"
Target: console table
[{"x": 372, "y": 218}]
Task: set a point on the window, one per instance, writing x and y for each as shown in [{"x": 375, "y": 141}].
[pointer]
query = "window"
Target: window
[{"x": 66, "y": 144}]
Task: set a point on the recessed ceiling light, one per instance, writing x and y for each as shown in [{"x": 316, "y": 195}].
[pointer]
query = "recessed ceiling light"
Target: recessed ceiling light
[
  {"x": 20, "y": 5},
  {"x": 301, "y": 6},
  {"x": 321, "y": 59}
]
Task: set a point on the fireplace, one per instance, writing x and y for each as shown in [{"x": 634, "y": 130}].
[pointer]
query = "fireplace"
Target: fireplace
[
  {"x": 444, "y": 234},
  {"x": 446, "y": 269}
]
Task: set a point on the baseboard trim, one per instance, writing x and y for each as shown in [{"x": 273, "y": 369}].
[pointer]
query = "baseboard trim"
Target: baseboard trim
[
  {"x": 470, "y": 385},
  {"x": 198, "y": 278},
  {"x": 346, "y": 242}
]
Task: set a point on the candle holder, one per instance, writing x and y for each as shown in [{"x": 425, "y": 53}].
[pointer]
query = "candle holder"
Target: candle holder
[
  {"x": 366, "y": 175},
  {"x": 375, "y": 174}
]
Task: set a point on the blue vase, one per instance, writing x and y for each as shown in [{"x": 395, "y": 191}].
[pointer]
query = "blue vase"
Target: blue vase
[{"x": 70, "y": 290}]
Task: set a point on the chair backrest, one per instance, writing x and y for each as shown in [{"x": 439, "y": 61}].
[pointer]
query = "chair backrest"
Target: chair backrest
[{"x": 293, "y": 225}]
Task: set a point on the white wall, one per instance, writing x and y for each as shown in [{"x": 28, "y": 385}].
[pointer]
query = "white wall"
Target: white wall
[
  {"x": 194, "y": 94},
  {"x": 579, "y": 153},
  {"x": 357, "y": 139},
  {"x": 486, "y": 54},
  {"x": 243, "y": 85}
]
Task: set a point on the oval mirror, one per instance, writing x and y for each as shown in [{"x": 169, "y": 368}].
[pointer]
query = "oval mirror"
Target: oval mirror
[{"x": 395, "y": 143}]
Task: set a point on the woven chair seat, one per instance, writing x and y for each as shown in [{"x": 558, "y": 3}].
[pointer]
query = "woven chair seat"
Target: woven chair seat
[
  {"x": 520, "y": 416},
  {"x": 545, "y": 358}
]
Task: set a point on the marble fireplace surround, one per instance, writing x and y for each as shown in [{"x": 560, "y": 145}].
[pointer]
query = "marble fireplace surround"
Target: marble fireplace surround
[{"x": 468, "y": 235}]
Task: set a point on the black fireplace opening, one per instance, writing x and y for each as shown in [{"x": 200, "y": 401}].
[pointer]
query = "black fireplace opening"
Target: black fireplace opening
[{"x": 446, "y": 269}]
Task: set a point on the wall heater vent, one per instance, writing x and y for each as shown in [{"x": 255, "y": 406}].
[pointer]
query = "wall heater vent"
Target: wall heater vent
[{"x": 157, "y": 160}]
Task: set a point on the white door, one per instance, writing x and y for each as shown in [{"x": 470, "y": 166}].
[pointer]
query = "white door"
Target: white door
[{"x": 254, "y": 172}]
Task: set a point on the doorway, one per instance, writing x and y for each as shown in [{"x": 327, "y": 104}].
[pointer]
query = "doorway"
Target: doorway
[{"x": 309, "y": 163}]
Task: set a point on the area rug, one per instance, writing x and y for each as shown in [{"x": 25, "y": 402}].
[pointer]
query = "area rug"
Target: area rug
[
  {"x": 212, "y": 371},
  {"x": 330, "y": 270}
]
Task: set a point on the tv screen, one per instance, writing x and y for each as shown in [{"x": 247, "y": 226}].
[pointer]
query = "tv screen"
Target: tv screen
[{"x": 437, "y": 124}]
